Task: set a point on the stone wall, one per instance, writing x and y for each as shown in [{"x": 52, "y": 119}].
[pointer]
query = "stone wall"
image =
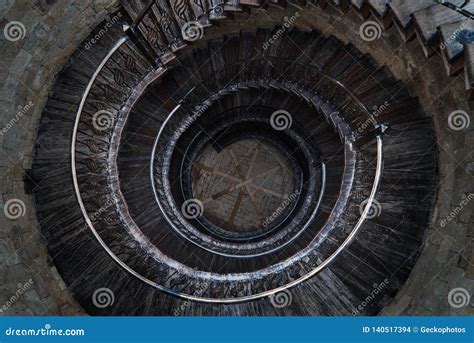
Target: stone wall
[
  {"x": 447, "y": 261},
  {"x": 29, "y": 283},
  {"x": 52, "y": 32}
]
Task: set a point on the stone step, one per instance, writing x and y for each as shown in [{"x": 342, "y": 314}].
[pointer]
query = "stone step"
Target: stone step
[
  {"x": 402, "y": 15},
  {"x": 432, "y": 23}
]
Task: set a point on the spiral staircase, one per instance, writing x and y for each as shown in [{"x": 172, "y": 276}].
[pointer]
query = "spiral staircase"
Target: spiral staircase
[{"x": 252, "y": 172}]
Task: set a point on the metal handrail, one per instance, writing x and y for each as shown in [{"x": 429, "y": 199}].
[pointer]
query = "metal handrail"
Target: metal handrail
[
  {"x": 325, "y": 75},
  {"x": 170, "y": 222},
  {"x": 343, "y": 246}
]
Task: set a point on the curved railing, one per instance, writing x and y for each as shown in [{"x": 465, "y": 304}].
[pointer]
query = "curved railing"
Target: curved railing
[
  {"x": 194, "y": 232},
  {"x": 378, "y": 135}
]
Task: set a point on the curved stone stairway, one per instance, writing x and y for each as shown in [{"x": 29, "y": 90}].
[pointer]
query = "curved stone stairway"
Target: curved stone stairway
[
  {"x": 448, "y": 28},
  {"x": 123, "y": 127}
]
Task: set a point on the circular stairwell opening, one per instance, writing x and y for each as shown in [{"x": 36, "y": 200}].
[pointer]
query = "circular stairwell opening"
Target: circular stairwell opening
[
  {"x": 272, "y": 208},
  {"x": 245, "y": 185}
]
